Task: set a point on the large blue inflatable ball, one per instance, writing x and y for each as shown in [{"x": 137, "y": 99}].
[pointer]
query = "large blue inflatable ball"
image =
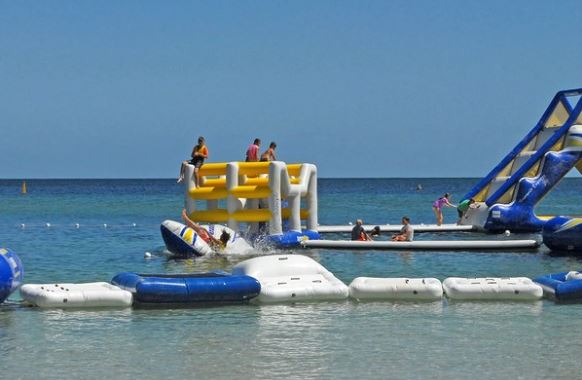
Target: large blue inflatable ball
[{"x": 11, "y": 273}]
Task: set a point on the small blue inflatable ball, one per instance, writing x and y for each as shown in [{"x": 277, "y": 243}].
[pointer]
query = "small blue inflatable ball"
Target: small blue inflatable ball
[{"x": 11, "y": 273}]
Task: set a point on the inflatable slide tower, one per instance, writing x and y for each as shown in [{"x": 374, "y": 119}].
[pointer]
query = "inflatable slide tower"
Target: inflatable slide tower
[{"x": 508, "y": 195}]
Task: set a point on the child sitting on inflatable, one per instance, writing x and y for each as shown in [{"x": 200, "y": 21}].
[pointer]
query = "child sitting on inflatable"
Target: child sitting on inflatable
[{"x": 214, "y": 243}]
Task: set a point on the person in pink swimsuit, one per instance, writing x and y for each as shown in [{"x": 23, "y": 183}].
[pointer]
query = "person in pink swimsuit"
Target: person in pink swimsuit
[
  {"x": 252, "y": 154},
  {"x": 438, "y": 205}
]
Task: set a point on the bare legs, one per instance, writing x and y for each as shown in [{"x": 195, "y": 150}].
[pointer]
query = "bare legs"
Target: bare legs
[
  {"x": 182, "y": 169},
  {"x": 439, "y": 215}
]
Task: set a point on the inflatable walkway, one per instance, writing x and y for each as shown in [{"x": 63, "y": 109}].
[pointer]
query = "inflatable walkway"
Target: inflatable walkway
[
  {"x": 427, "y": 245},
  {"x": 508, "y": 194}
]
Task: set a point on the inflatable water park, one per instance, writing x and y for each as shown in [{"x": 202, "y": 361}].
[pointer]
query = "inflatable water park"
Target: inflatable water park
[
  {"x": 243, "y": 205},
  {"x": 277, "y": 202}
]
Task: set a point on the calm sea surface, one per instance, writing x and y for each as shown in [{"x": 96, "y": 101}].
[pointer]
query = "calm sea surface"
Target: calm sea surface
[{"x": 119, "y": 221}]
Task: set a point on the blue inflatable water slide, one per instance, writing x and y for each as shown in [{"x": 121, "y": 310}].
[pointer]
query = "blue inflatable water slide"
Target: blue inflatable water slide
[{"x": 508, "y": 195}]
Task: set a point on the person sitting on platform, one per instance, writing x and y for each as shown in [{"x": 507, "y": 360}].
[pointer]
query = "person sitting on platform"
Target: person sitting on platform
[
  {"x": 214, "y": 243},
  {"x": 269, "y": 154},
  {"x": 252, "y": 154},
  {"x": 358, "y": 232},
  {"x": 406, "y": 232}
]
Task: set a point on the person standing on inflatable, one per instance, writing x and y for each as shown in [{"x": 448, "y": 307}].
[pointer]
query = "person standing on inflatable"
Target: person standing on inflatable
[
  {"x": 438, "y": 205},
  {"x": 199, "y": 154},
  {"x": 252, "y": 154}
]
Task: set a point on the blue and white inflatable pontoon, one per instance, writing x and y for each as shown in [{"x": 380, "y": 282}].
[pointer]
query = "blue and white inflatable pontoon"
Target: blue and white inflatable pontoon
[
  {"x": 182, "y": 241},
  {"x": 11, "y": 273},
  {"x": 563, "y": 234},
  {"x": 564, "y": 286},
  {"x": 217, "y": 286}
]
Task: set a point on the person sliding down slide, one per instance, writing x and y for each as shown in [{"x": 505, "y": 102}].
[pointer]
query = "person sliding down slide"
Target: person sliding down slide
[{"x": 217, "y": 245}]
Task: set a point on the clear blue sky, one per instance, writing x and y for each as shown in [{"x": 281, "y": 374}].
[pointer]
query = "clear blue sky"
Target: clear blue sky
[{"x": 111, "y": 89}]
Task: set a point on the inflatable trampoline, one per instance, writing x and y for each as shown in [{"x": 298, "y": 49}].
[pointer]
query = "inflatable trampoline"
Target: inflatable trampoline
[
  {"x": 208, "y": 287},
  {"x": 95, "y": 294},
  {"x": 11, "y": 273},
  {"x": 418, "y": 289},
  {"x": 564, "y": 286},
  {"x": 292, "y": 278}
]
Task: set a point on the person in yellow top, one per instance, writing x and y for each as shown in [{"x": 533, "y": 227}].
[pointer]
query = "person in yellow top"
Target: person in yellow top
[{"x": 199, "y": 154}]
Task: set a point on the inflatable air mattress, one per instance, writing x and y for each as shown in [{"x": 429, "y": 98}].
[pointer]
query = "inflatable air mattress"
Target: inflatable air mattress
[
  {"x": 421, "y": 289},
  {"x": 564, "y": 286},
  {"x": 422, "y": 245},
  {"x": 511, "y": 288},
  {"x": 95, "y": 294},
  {"x": 292, "y": 278},
  {"x": 215, "y": 286}
]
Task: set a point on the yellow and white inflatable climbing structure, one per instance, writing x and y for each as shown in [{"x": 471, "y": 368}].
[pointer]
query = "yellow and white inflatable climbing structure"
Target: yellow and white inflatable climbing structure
[{"x": 267, "y": 197}]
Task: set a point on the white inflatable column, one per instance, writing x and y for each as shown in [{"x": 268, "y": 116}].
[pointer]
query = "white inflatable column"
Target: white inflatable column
[
  {"x": 276, "y": 221},
  {"x": 233, "y": 204},
  {"x": 295, "y": 217},
  {"x": 312, "y": 198},
  {"x": 189, "y": 203}
]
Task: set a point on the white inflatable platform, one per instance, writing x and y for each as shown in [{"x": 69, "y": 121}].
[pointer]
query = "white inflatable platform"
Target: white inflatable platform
[
  {"x": 396, "y": 228},
  {"x": 422, "y": 245},
  {"x": 511, "y": 288},
  {"x": 95, "y": 294},
  {"x": 292, "y": 278},
  {"x": 417, "y": 289}
]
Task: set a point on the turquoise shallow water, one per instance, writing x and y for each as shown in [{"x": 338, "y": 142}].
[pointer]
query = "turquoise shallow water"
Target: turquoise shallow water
[{"x": 319, "y": 340}]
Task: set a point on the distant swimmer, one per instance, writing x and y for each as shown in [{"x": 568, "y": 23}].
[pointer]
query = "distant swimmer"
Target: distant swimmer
[
  {"x": 358, "y": 232},
  {"x": 214, "y": 243},
  {"x": 438, "y": 205},
  {"x": 199, "y": 154},
  {"x": 252, "y": 154},
  {"x": 406, "y": 232},
  {"x": 269, "y": 154}
]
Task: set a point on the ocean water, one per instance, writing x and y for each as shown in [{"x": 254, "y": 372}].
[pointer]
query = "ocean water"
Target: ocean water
[{"x": 119, "y": 221}]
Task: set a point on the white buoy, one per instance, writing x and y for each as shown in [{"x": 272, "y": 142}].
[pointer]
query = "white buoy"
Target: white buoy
[
  {"x": 48, "y": 225},
  {"x": 147, "y": 255},
  {"x": 507, "y": 232},
  {"x": 77, "y": 225},
  {"x": 104, "y": 225},
  {"x": 23, "y": 226},
  {"x": 133, "y": 225}
]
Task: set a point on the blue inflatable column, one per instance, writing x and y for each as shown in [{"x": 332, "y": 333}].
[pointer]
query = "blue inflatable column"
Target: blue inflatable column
[{"x": 11, "y": 273}]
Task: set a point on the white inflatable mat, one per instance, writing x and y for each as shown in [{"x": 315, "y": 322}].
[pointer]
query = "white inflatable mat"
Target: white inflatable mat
[{"x": 94, "y": 294}]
